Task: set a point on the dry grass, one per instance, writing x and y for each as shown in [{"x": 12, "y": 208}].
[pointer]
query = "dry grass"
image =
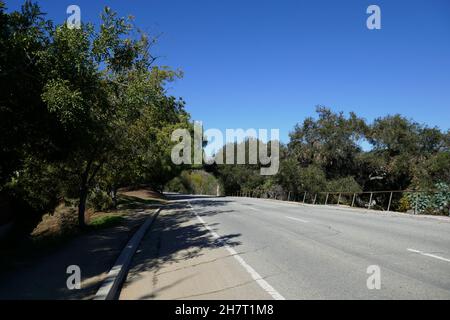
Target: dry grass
[
  {"x": 56, "y": 229},
  {"x": 63, "y": 222}
]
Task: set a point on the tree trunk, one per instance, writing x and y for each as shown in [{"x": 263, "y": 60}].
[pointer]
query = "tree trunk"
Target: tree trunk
[
  {"x": 114, "y": 197},
  {"x": 86, "y": 182},
  {"x": 82, "y": 207}
]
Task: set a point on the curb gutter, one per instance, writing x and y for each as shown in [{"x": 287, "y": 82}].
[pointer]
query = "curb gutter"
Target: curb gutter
[{"x": 109, "y": 289}]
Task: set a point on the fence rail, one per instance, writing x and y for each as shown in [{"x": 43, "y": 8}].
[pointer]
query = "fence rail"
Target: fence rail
[{"x": 413, "y": 201}]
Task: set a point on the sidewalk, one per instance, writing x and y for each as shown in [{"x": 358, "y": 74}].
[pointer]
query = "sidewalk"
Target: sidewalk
[
  {"x": 94, "y": 252},
  {"x": 179, "y": 259}
]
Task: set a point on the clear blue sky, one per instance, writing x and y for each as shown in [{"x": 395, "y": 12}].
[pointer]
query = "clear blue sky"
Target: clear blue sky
[{"x": 267, "y": 64}]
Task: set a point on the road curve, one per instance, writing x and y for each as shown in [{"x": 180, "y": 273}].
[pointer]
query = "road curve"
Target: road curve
[{"x": 319, "y": 252}]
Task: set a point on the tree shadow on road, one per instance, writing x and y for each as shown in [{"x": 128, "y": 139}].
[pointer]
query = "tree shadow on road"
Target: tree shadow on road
[
  {"x": 176, "y": 236},
  {"x": 44, "y": 275}
]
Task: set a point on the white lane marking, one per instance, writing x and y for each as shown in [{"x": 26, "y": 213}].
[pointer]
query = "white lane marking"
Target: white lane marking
[
  {"x": 253, "y": 209},
  {"x": 301, "y": 220},
  {"x": 428, "y": 255},
  {"x": 255, "y": 275}
]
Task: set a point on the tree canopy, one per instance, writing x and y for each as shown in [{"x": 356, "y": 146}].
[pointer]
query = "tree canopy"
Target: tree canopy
[
  {"x": 337, "y": 153},
  {"x": 81, "y": 107}
]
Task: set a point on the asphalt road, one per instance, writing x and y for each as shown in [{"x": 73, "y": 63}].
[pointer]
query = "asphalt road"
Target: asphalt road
[
  {"x": 244, "y": 248},
  {"x": 319, "y": 252}
]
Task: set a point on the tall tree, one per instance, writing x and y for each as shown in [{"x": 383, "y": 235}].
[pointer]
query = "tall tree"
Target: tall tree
[
  {"x": 110, "y": 99},
  {"x": 331, "y": 142}
]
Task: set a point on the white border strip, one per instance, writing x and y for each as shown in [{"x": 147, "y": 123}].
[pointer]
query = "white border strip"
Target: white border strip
[
  {"x": 110, "y": 287},
  {"x": 255, "y": 275},
  {"x": 428, "y": 255}
]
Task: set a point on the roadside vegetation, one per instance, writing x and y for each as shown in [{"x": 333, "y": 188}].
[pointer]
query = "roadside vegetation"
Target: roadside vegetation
[
  {"x": 83, "y": 112},
  {"x": 337, "y": 153},
  {"x": 58, "y": 228},
  {"x": 196, "y": 182}
]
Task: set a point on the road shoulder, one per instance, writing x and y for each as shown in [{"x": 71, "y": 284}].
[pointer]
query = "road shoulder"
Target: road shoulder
[{"x": 180, "y": 259}]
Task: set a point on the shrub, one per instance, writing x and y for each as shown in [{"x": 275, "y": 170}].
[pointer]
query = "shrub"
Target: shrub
[
  {"x": 347, "y": 184},
  {"x": 312, "y": 179},
  {"x": 195, "y": 182},
  {"x": 404, "y": 204},
  {"x": 99, "y": 200},
  {"x": 176, "y": 185},
  {"x": 432, "y": 203}
]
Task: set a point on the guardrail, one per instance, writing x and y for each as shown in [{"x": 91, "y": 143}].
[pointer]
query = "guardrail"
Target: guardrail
[{"x": 401, "y": 200}]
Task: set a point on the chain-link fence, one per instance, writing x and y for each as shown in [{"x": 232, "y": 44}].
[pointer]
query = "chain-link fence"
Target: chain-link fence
[{"x": 411, "y": 201}]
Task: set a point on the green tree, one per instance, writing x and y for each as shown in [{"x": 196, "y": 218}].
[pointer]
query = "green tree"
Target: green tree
[
  {"x": 26, "y": 126},
  {"x": 401, "y": 147},
  {"x": 83, "y": 107},
  {"x": 330, "y": 142}
]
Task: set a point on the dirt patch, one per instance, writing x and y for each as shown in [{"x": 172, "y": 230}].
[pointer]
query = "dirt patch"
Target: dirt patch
[
  {"x": 36, "y": 267},
  {"x": 146, "y": 194},
  {"x": 64, "y": 221}
]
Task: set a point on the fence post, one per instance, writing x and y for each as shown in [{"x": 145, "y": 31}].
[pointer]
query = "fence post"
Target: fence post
[
  {"x": 370, "y": 201},
  {"x": 289, "y": 196},
  {"x": 339, "y": 199},
  {"x": 390, "y": 201},
  {"x": 417, "y": 201},
  {"x": 326, "y": 199},
  {"x": 304, "y": 197},
  {"x": 353, "y": 201},
  {"x": 315, "y": 198}
]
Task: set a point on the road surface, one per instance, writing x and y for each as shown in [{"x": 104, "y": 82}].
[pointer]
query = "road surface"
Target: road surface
[{"x": 244, "y": 248}]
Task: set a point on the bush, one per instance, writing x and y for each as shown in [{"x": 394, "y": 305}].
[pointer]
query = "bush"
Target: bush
[
  {"x": 99, "y": 200},
  {"x": 177, "y": 185},
  {"x": 312, "y": 179},
  {"x": 195, "y": 182},
  {"x": 404, "y": 204},
  {"x": 432, "y": 203},
  {"x": 347, "y": 184}
]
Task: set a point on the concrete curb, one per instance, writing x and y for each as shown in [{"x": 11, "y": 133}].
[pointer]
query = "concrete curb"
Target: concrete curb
[{"x": 109, "y": 289}]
